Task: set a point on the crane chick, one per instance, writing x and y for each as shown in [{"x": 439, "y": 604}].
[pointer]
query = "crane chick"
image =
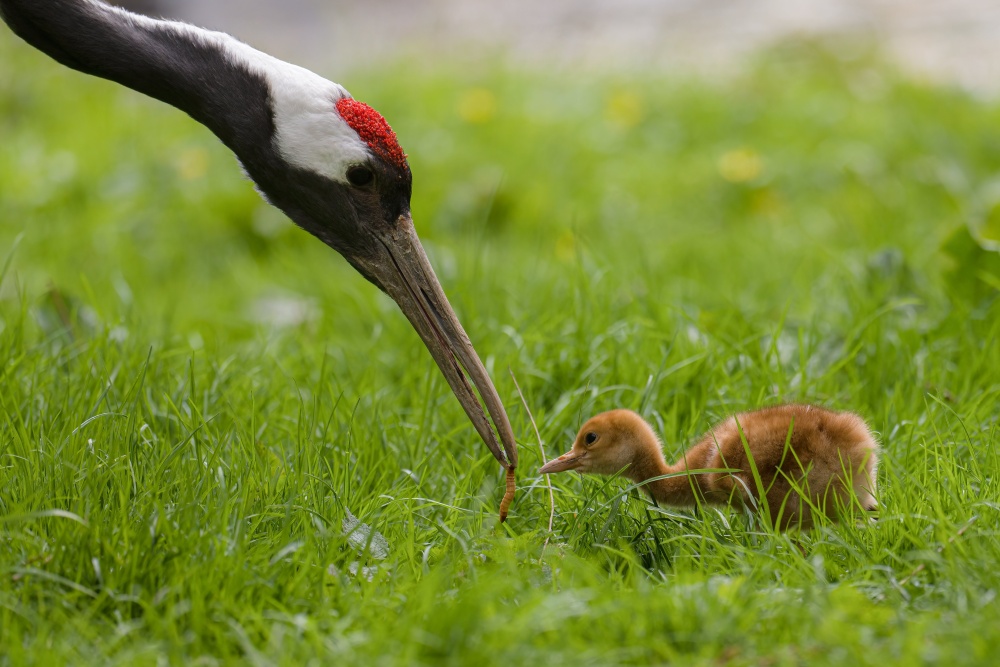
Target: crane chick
[{"x": 808, "y": 459}]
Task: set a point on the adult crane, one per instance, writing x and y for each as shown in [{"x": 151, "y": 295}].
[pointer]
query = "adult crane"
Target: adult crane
[{"x": 331, "y": 163}]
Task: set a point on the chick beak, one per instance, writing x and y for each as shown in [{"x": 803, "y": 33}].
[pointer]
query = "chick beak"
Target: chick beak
[{"x": 568, "y": 461}]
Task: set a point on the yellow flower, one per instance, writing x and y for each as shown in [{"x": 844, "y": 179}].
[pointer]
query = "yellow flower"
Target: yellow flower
[
  {"x": 477, "y": 106},
  {"x": 740, "y": 165},
  {"x": 192, "y": 164},
  {"x": 625, "y": 109}
]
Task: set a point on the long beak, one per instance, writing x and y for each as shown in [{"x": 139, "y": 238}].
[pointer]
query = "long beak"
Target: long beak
[
  {"x": 568, "y": 461},
  {"x": 409, "y": 279}
]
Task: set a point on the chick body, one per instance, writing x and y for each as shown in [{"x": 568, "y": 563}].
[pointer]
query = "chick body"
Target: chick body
[{"x": 807, "y": 458}]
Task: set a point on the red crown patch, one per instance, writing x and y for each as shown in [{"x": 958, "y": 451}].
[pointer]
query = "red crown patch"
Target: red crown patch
[{"x": 373, "y": 130}]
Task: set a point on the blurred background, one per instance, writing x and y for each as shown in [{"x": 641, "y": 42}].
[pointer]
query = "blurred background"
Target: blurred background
[
  {"x": 553, "y": 143},
  {"x": 849, "y": 139},
  {"x": 951, "y": 41}
]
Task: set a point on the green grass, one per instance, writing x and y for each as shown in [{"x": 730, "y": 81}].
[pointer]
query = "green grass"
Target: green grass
[{"x": 194, "y": 394}]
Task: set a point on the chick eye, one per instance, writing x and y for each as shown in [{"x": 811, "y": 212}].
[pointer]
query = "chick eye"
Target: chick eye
[
  {"x": 360, "y": 176},
  {"x": 590, "y": 438}
]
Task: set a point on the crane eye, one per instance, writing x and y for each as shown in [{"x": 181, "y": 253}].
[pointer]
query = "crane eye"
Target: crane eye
[
  {"x": 360, "y": 176},
  {"x": 590, "y": 438}
]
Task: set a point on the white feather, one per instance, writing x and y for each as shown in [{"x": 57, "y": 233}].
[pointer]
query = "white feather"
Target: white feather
[{"x": 309, "y": 133}]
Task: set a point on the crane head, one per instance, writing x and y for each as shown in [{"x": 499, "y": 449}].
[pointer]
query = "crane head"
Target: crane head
[{"x": 347, "y": 181}]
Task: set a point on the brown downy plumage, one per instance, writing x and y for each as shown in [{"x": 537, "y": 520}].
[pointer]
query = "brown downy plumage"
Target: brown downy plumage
[{"x": 831, "y": 458}]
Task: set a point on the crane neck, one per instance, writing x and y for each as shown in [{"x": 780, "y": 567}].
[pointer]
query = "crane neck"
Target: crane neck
[{"x": 209, "y": 75}]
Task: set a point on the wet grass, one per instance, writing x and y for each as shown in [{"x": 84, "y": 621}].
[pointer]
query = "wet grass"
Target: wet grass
[{"x": 196, "y": 398}]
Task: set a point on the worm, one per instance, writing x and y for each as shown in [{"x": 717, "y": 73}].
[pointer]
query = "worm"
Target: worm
[{"x": 508, "y": 496}]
